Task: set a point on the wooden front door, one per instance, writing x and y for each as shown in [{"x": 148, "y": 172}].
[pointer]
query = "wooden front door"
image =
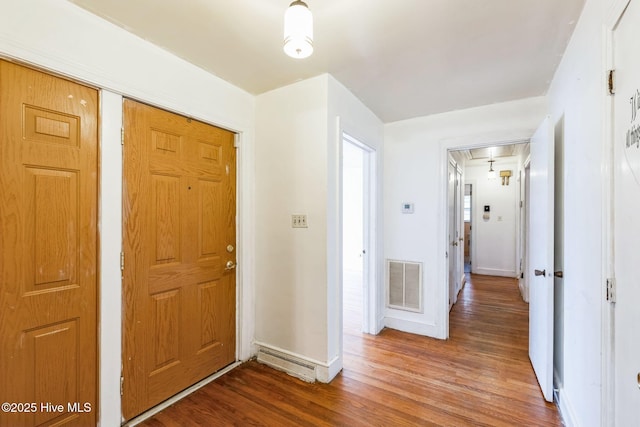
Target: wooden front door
[
  {"x": 179, "y": 254},
  {"x": 48, "y": 234}
]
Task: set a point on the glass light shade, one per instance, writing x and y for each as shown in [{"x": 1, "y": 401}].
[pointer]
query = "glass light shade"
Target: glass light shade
[
  {"x": 492, "y": 173},
  {"x": 298, "y": 30}
]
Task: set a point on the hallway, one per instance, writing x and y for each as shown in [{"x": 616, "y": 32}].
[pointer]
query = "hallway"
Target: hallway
[{"x": 481, "y": 376}]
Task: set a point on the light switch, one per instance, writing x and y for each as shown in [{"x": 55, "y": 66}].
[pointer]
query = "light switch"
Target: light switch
[{"x": 299, "y": 221}]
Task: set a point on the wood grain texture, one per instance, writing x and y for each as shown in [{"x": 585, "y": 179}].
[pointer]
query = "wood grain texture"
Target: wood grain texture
[
  {"x": 480, "y": 377},
  {"x": 48, "y": 245},
  {"x": 179, "y": 217}
]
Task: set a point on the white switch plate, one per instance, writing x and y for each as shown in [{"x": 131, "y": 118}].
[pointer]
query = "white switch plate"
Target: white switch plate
[{"x": 299, "y": 221}]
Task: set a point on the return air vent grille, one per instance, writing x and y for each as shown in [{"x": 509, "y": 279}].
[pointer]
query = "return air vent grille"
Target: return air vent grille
[{"x": 404, "y": 290}]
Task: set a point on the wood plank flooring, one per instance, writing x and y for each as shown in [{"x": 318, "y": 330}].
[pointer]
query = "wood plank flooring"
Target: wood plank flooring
[{"x": 480, "y": 377}]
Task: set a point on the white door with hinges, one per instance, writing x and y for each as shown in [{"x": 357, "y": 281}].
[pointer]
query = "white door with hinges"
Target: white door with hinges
[
  {"x": 540, "y": 250},
  {"x": 626, "y": 199}
]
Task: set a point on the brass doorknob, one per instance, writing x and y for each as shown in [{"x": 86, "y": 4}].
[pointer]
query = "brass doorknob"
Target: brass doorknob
[{"x": 230, "y": 265}]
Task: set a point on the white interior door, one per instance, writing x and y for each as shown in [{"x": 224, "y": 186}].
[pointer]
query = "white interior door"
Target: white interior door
[
  {"x": 453, "y": 241},
  {"x": 460, "y": 231},
  {"x": 540, "y": 266},
  {"x": 626, "y": 122}
]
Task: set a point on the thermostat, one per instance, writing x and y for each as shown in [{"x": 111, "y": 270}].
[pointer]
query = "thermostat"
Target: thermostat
[{"x": 407, "y": 208}]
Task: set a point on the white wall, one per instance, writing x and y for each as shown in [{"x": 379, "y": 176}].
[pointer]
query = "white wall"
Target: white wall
[
  {"x": 291, "y": 177},
  {"x": 60, "y": 37},
  {"x": 347, "y": 114},
  {"x": 577, "y": 93},
  {"x": 415, "y": 171},
  {"x": 494, "y": 239},
  {"x": 299, "y": 271}
]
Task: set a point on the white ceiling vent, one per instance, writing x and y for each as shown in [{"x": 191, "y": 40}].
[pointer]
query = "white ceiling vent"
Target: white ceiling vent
[{"x": 404, "y": 290}]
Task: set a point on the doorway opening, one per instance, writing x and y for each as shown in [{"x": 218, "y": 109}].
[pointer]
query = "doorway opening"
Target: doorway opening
[
  {"x": 358, "y": 235},
  {"x": 467, "y": 217},
  {"x": 486, "y": 230}
]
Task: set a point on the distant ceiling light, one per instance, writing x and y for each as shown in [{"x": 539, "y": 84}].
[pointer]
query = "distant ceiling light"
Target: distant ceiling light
[
  {"x": 492, "y": 173},
  {"x": 298, "y": 30}
]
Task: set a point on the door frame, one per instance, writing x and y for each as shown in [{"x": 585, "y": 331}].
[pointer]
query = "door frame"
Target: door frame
[
  {"x": 473, "y": 184},
  {"x": 112, "y": 89},
  {"x": 612, "y": 18},
  {"x": 455, "y": 256},
  {"x": 493, "y": 139},
  {"x": 369, "y": 202},
  {"x": 110, "y": 206}
]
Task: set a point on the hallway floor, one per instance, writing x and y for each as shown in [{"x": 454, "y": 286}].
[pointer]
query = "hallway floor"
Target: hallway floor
[{"x": 480, "y": 377}]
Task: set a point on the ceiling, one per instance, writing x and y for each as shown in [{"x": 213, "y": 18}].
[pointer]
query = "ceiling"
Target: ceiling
[
  {"x": 402, "y": 59},
  {"x": 495, "y": 151}
]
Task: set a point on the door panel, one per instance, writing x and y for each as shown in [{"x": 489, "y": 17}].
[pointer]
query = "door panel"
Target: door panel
[
  {"x": 48, "y": 234},
  {"x": 451, "y": 226},
  {"x": 179, "y": 220},
  {"x": 540, "y": 252},
  {"x": 626, "y": 121}
]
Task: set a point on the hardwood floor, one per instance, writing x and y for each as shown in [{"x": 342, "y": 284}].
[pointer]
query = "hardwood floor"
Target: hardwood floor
[{"x": 480, "y": 377}]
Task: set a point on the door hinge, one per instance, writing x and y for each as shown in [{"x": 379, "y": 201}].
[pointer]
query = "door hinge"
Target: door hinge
[
  {"x": 611, "y": 290},
  {"x": 121, "y": 136},
  {"x": 611, "y": 82},
  {"x": 122, "y": 261},
  {"x": 121, "y": 386}
]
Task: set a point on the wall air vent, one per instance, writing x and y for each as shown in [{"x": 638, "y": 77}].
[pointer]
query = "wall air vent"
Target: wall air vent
[{"x": 404, "y": 285}]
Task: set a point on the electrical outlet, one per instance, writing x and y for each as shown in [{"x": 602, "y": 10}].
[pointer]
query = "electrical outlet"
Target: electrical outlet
[{"x": 299, "y": 221}]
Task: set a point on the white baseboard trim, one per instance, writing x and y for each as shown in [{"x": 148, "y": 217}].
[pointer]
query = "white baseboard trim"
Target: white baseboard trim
[
  {"x": 296, "y": 365},
  {"x": 379, "y": 325},
  {"x": 494, "y": 272},
  {"x": 426, "y": 329},
  {"x": 164, "y": 405},
  {"x": 566, "y": 411}
]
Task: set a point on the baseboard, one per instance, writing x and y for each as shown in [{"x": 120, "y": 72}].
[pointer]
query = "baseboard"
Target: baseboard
[
  {"x": 296, "y": 365},
  {"x": 566, "y": 411},
  {"x": 164, "y": 405},
  {"x": 426, "y": 329},
  {"x": 494, "y": 272}
]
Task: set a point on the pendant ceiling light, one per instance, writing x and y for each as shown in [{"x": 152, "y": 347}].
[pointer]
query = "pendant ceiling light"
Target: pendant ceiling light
[
  {"x": 298, "y": 30},
  {"x": 492, "y": 173}
]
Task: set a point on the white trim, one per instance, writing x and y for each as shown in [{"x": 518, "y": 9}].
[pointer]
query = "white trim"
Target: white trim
[
  {"x": 373, "y": 321},
  {"x": 420, "y": 328},
  {"x": 566, "y": 410},
  {"x": 369, "y": 226},
  {"x": 297, "y": 365},
  {"x": 449, "y": 144},
  {"x": 110, "y": 226},
  {"x": 495, "y": 272},
  {"x": 473, "y": 248},
  {"x": 170, "y": 401},
  {"x": 616, "y": 10},
  {"x": 614, "y": 15},
  {"x": 327, "y": 372}
]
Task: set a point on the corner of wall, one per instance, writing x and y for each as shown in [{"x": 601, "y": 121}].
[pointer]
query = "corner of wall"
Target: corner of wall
[{"x": 297, "y": 365}]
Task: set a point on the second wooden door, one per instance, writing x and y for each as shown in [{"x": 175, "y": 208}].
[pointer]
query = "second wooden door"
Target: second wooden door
[{"x": 179, "y": 254}]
